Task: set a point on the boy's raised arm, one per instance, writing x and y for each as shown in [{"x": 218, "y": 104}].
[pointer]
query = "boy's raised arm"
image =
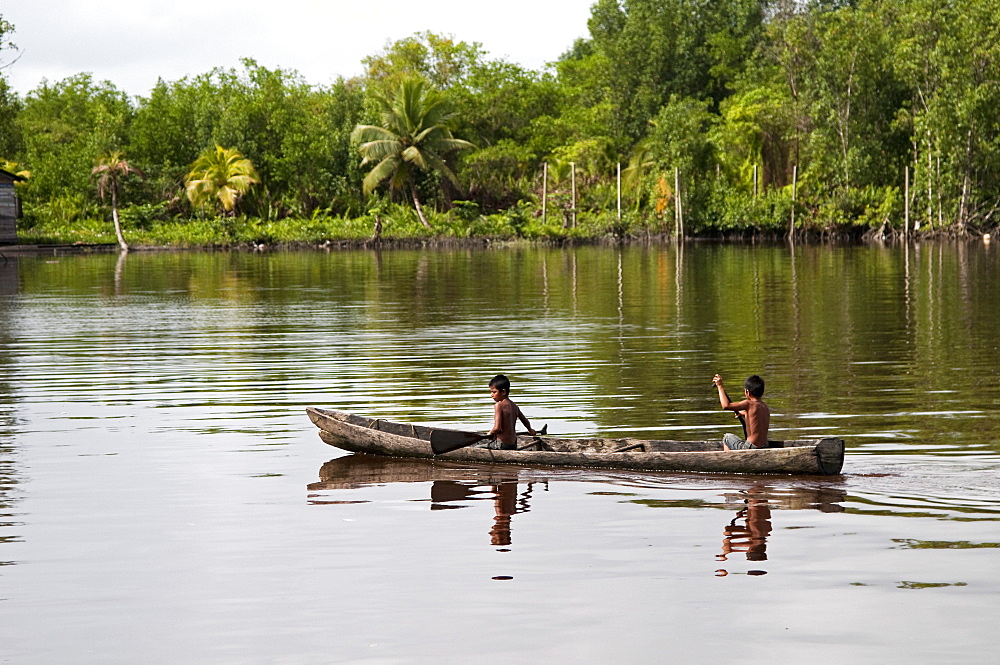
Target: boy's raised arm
[
  {"x": 723, "y": 395},
  {"x": 737, "y": 407}
]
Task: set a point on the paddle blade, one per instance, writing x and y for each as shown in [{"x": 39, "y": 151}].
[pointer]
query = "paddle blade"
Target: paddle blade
[{"x": 443, "y": 441}]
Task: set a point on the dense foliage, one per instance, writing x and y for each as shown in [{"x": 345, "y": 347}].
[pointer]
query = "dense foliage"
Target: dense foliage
[{"x": 755, "y": 116}]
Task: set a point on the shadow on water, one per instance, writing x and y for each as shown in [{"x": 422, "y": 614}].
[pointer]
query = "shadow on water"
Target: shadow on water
[
  {"x": 752, "y": 503},
  {"x": 459, "y": 485},
  {"x": 452, "y": 485}
]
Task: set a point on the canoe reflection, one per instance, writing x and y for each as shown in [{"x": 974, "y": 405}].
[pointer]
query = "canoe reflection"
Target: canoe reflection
[{"x": 456, "y": 484}]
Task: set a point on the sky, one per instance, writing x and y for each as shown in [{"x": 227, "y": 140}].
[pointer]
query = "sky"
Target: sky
[{"x": 133, "y": 42}]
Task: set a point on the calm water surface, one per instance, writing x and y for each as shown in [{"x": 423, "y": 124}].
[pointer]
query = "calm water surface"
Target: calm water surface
[{"x": 164, "y": 498}]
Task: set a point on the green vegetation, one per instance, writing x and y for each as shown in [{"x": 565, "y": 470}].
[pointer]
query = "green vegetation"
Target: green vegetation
[
  {"x": 220, "y": 175},
  {"x": 911, "y": 544},
  {"x": 414, "y": 134},
  {"x": 745, "y": 117}
]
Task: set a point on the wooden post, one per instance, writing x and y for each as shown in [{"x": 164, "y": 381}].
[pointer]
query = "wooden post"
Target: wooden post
[
  {"x": 680, "y": 202},
  {"x": 545, "y": 182},
  {"x": 930, "y": 187},
  {"x": 572, "y": 175},
  {"x": 619, "y": 192},
  {"x": 906, "y": 202},
  {"x": 795, "y": 182},
  {"x": 678, "y": 215},
  {"x": 940, "y": 210},
  {"x": 676, "y": 211}
]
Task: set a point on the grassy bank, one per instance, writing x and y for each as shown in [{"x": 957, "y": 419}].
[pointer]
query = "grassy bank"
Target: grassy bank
[
  {"x": 397, "y": 223},
  {"x": 400, "y": 224}
]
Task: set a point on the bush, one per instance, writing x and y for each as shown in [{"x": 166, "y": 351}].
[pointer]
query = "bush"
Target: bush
[
  {"x": 731, "y": 210},
  {"x": 61, "y": 210},
  {"x": 144, "y": 216},
  {"x": 857, "y": 209}
]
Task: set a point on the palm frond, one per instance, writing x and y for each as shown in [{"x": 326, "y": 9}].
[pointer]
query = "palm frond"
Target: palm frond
[
  {"x": 450, "y": 144},
  {"x": 439, "y": 165},
  {"x": 375, "y": 151},
  {"x": 415, "y": 155},
  {"x": 366, "y": 133},
  {"x": 222, "y": 173},
  {"x": 415, "y": 131},
  {"x": 227, "y": 197},
  {"x": 382, "y": 170}
]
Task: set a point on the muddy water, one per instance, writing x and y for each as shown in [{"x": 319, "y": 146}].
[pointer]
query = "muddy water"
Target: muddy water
[{"x": 164, "y": 499}]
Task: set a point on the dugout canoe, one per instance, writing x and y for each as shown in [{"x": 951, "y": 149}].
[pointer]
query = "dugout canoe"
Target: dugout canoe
[{"x": 824, "y": 456}]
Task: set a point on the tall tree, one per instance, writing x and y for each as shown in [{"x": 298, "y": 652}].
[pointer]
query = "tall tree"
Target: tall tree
[
  {"x": 63, "y": 126},
  {"x": 648, "y": 50},
  {"x": 10, "y": 105},
  {"x": 11, "y": 144},
  {"x": 110, "y": 170},
  {"x": 6, "y": 28},
  {"x": 415, "y": 134},
  {"x": 950, "y": 58},
  {"x": 438, "y": 59},
  {"x": 220, "y": 173}
]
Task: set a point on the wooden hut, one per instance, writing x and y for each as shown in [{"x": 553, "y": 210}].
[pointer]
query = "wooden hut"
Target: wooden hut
[{"x": 10, "y": 207}]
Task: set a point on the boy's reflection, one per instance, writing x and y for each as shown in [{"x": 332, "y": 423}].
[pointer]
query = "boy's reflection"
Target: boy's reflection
[
  {"x": 505, "y": 505},
  {"x": 750, "y": 537},
  {"x": 505, "y": 502}
]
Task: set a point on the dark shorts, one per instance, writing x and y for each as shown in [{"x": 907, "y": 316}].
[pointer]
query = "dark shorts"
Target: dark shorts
[
  {"x": 736, "y": 443},
  {"x": 495, "y": 444}
]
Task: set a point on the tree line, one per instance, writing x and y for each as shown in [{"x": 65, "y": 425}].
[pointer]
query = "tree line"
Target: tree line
[{"x": 726, "y": 116}]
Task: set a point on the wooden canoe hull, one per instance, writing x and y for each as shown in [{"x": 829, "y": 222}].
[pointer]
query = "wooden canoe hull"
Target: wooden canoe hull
[{"x": 381, "y": 437}]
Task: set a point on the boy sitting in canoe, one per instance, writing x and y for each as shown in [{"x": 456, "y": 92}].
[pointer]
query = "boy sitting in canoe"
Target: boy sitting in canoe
[
  {"x": 505, "y": 415},
  {"x": 752, "y": 412}
]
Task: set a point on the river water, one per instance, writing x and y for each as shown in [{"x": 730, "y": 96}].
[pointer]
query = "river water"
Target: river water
[{"x": 165, "y": 499}]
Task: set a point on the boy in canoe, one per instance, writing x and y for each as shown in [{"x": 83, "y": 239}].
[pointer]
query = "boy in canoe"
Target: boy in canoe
[
  {"x": 752, "y": 412},
  {"x": 505, "y": 415}
]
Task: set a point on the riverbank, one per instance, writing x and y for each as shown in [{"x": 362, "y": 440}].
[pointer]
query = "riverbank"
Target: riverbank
[{"x": 400, "y": 228}]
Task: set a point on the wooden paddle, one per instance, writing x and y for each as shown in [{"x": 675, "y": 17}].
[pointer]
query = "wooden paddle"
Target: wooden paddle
[
  {"x": 742, "y": 419},
  {"x": 444, "y": 441}
]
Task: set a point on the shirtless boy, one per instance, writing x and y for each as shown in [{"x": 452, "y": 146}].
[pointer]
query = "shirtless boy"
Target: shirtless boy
[
  {"x": 505, "y": 414},
  {"x": 756, "y": 415}
]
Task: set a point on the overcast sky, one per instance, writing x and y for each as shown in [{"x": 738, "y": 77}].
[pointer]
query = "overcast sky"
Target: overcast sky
[{"x": 132, "y": 42}]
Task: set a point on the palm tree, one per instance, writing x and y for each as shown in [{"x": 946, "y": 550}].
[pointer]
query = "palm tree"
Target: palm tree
[
  {"x": 220, "y": 173},
  {"x": 415, "y": 133},
  {"x": 111, "y": 169},
  {"x": 639, "y": 162}
]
